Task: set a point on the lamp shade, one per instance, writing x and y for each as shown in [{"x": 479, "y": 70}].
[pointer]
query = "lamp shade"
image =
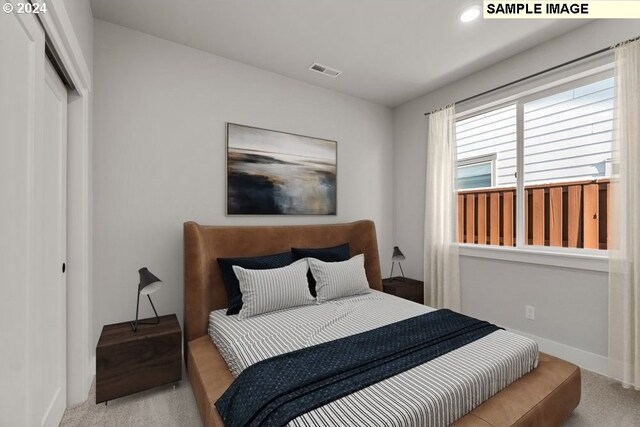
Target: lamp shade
[
  {"x": 397, "y": 255},
  {"x": 149, "y": 283}
]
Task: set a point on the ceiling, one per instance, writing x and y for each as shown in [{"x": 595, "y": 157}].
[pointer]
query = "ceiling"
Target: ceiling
[{"x": 389, "y": 51}]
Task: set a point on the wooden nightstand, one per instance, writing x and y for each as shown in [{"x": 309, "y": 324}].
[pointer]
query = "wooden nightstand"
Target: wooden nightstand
[
  {"x": 406, "y": 288},
  {"x": 128, "y": 362}
]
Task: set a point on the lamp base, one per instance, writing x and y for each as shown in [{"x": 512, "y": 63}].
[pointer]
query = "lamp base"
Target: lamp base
[
  {"x": 401, "y": 270},
  {"x": 134, "y": 324}
]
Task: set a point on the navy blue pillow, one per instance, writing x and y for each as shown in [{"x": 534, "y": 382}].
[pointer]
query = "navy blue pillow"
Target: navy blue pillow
[
  {"x": 332, "y": 254},
  {"x": 257, "y": 263}
]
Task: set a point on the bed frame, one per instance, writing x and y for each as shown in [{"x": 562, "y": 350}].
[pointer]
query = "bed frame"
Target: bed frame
[{"x": 545, "y": 397}]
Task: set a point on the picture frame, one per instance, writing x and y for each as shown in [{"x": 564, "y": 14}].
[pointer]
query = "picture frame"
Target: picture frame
[{"x": 273, "y": 172}]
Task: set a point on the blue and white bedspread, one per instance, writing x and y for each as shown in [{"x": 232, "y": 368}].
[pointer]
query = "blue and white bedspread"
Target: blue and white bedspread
[{"x": 435, "y": 393}]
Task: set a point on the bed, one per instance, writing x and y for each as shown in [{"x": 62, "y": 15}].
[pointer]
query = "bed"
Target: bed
[{"x": 544, "y": 396}]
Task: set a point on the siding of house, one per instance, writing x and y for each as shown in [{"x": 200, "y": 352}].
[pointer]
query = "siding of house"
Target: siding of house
[{"x": 567, "y": 136}]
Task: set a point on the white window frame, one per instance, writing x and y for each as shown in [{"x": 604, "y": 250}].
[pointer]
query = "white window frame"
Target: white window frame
[
  {"x": 578, "y": 258},
  {"x": 478, "y": 160}
]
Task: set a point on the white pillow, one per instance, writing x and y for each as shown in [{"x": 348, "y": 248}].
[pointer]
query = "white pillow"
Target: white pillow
[
  {"x": 339, "y": 279},
  {"x": 273, "y": 289}
]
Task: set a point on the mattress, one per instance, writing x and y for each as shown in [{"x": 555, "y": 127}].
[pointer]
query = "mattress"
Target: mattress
[{"x": 435, "y": 393}]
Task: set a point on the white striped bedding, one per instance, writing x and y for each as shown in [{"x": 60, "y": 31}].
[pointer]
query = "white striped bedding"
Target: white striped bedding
[
  {"x": 339, "y": 279},
  {"x": 268, "y": 290},
  {"x": 435, "y": 393}
]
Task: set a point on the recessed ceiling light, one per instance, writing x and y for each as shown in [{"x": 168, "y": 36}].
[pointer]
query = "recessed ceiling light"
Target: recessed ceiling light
[{"x": 469, "y": 14}]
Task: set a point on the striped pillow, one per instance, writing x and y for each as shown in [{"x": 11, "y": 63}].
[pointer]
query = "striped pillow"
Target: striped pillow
[
  {"x": 339, "y": 279},
  {"x": 273, "y": 289}
]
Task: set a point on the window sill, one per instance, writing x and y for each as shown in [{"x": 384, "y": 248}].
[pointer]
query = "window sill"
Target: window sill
[{"x": 546, "y": 256}]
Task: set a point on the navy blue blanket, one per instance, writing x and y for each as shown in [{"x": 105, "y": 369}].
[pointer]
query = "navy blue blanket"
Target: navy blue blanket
[{"x": 277, "y": 390}]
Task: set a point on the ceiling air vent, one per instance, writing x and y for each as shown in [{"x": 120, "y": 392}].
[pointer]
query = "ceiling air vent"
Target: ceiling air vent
[{"x": 323, "y": 69}]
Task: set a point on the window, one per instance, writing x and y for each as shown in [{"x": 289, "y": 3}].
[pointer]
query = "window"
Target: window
[
  {"x": 476, "y": 172},
  {"x": 486, "y": 216},
  {"x": 563, "y": 155}
]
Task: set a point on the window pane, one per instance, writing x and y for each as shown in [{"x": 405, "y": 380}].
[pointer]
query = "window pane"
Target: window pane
[
  {"x": 486, "y": 213},
  {"x": 474, "y": 175},
  {"x": 567, "y": 155}
]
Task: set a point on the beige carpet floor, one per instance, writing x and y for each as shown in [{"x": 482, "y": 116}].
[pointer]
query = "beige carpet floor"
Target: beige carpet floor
[
  {"x": 159, "y": 407},
  {"x": 604, "y": 404}
]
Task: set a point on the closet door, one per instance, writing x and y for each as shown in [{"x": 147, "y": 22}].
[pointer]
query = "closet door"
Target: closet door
[
  {"x": 21, "y": 88},
  {"x": 49, "y": 296},
  {"x": 32, "y": 229}
]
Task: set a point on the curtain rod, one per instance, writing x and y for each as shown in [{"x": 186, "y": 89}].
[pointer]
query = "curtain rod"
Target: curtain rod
[{"x": 548, "y": 70}]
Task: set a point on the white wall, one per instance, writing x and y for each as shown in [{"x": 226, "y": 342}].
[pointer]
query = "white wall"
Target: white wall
[
  {"x": 159, "y": 157},
  {"x": 571, "y": 305}
]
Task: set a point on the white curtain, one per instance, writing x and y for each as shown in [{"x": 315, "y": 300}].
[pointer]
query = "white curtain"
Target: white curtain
[
  {"x": 624, "y": 239},
  {"x": 441, "y": 270}
]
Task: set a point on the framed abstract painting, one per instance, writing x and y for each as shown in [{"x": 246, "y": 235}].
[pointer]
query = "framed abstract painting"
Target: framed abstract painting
[{"x": 279, "y": 173}]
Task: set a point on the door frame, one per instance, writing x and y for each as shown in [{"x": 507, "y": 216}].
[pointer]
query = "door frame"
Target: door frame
[{"x": 80, "y": 348}]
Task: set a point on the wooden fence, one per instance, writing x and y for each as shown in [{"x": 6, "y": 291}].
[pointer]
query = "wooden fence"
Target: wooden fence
[{"x": 568, "y": 214}]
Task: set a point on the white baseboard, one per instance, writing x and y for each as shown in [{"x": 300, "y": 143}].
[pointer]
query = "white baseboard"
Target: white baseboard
[
  {"x": 90, "y": 373},
  {"x": 587, "y": 360}
]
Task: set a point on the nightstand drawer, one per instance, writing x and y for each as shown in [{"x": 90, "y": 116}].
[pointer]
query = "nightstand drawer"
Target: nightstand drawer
[
  {"x": 406, "y": 288},
  {"x": 128, "y": 362}
]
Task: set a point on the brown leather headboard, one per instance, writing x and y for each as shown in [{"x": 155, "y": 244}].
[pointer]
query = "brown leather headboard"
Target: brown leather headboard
[{"x": 203, "y": 245}]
